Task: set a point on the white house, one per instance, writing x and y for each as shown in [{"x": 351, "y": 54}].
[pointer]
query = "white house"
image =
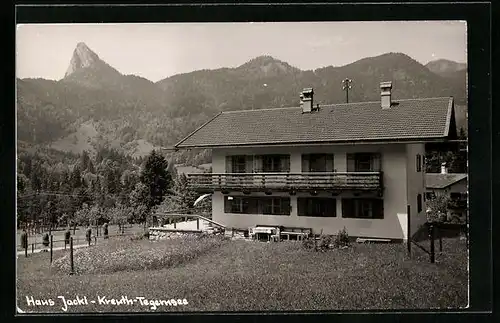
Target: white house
[{"x": 325, "y": 167}]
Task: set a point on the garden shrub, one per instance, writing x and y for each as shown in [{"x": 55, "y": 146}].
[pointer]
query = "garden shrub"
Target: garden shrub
[
  {"x": 308, "y": 243},
  {"x": 341, "y": 239},
  {"x": 325, "y": 241}
]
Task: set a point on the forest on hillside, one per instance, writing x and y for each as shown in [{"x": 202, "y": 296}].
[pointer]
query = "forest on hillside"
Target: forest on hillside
[{"x": 55, "y": 190}]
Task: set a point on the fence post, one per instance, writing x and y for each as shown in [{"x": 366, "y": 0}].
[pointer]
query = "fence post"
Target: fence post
[
  {"x": 197, "y": 223},
  {"x": 431, "y": 237},
  {"x": 71, "y": 256},
  {"x": 408, "y": 240},
  {"x": 51, "y": 246},
  {"x": 32, "y": 248},
  {"x": 440, "y": 240},
  {"x": 95, "y": 240},
  {"x": 175, "y": 224}
]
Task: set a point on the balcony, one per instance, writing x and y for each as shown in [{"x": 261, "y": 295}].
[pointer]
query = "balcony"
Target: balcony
[{"x": 335, "y": 181}]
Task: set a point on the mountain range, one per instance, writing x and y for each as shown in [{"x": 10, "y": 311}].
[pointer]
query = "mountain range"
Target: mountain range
[{"x": 94, "y": 104}]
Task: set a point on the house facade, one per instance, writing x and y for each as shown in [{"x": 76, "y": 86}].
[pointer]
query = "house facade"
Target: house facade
[{"x": 357, "y": 165}]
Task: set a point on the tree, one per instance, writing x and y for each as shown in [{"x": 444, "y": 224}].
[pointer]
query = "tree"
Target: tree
[
  {"x": 437, "y": 208},
  {"x": 120, "y": 215},
  {"x": 156, "y": 178},
  {"x": 76, "y": 178},
  {"x": 22, "y": 183},
  {"x": 185, "y": 196}
]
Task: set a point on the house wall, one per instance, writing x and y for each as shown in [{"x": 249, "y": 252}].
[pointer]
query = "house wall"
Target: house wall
[
  {"x": 415, "y": 185},
  {"x": 395, "y": 196}
]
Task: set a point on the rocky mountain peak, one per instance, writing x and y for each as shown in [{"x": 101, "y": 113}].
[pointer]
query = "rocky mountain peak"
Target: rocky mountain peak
[{"x": 82, "y": 57}]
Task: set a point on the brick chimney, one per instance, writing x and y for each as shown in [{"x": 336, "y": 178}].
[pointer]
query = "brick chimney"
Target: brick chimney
[
  {"x": 385, "y": 94},
  {"x": 306, "y": 100},
  {"x": 444, "y": 169}
]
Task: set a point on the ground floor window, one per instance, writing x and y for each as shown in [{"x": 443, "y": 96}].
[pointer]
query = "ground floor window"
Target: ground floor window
[
  {"x": 257, "y": 205},
  {"x": 363, "y": 208},
  {"x": 317, "y": 206}
]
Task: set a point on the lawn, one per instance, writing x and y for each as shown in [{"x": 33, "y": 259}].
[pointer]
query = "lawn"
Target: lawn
[{"x": 250, "y": 276}]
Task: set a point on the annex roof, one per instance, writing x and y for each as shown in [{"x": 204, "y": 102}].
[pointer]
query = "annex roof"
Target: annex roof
[{"x": 441, "y": 181}]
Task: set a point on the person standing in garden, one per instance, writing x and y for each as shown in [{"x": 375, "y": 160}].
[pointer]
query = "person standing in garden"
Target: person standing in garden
[
  {"x": 88, "y": 234},
  {"x": 105, "y": 230}
]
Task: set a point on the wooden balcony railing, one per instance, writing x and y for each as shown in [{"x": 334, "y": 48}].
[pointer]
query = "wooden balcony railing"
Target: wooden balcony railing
[{"x": 209, "y": 182}]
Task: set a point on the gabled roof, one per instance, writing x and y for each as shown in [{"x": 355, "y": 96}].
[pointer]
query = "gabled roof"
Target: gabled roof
[
  {"x": 414, "y": 119},
  {"x": 441, "y": 181}
]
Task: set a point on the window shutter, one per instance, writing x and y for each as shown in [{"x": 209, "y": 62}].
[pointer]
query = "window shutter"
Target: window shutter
[
  {"x": 351, "y": 163},
  {"x": 249, "y": 164},
  {"x": 229, "y": 164},
  {"x": 329, "y": 163},
  {"x": 348, "y": 208},
  {"x": 301, "y": 206},
  {"x": 376, "y": 162},
  {"x": 331, "y": 208},
  {"x": 305, "y": 163},
  {"x": 227, "y": 205},
  {"x": 378, "y": 209}
]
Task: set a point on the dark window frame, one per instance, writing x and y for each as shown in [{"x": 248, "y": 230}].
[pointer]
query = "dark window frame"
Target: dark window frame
[
  {"x": 273, "y": 163},
  {"x": 353, "y": 207},
  {"x": 258, "y": 205},
  {"x": 364, "y": 162},
  {"x": 419, "y": 163},
  {"x": 237, "y": 165},
  {"x": 328, "y": 207}
]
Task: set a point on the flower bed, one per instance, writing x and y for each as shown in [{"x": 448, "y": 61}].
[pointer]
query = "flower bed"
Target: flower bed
[{"x": 123, "y": 254}]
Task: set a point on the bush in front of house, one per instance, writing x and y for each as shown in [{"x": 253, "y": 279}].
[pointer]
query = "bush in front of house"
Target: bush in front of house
[
  {"x": 308, "y": 243},
  {"x": 341, "y": 239},
  {"x": 325, "y": 242}
]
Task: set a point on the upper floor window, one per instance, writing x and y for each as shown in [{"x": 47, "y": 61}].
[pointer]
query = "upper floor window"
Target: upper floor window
[
  {"x": 275, "y": 163},
  {"x": 238, "y": 164},
  {"x": 364, "y": 162},
  {"x": 419, "y": 163},
  {"x": 317, "y": 163}
]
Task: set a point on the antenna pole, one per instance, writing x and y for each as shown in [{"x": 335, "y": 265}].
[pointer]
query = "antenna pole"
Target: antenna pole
[{"x": 346, "y": 86}]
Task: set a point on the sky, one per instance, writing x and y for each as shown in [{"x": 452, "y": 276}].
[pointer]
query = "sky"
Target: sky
[{"x": 157, "y": 51}]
